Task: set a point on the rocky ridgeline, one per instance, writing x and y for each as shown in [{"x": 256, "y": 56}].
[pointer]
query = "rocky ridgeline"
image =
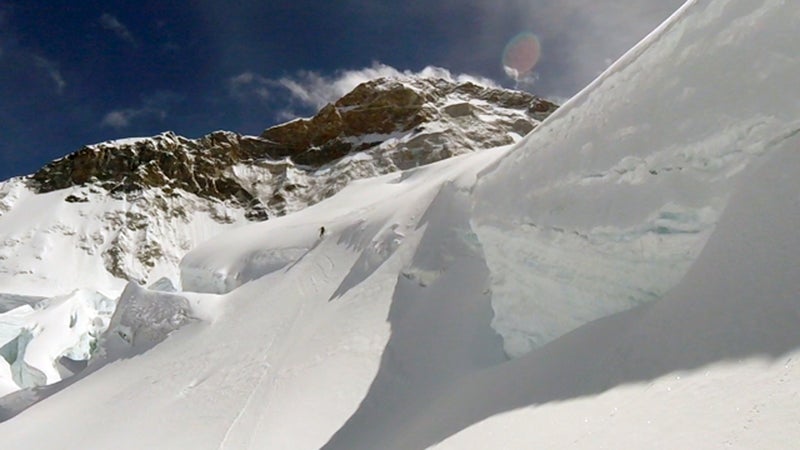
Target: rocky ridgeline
[
  {"x": 167, "y": 161},
  {"x": 375, "y": 110},
  {"x": 142, "y": 198},
  {"x": 399, "y": 123}
]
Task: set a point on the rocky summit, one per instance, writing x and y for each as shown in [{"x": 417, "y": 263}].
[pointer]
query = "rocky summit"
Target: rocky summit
[
  {"x": 405, "y": 123},
  {"x": 146, "y": 198},
  {"x": 478, "y": 117}
]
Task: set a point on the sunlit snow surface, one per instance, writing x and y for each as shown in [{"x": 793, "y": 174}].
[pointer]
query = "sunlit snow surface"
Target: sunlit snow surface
[
  {"x": 670, "y": 183},
  {"x": 53, "y": 249}
]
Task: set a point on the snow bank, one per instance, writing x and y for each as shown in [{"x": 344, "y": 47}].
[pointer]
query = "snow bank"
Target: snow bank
[
  {"x": 715, "y": 358},
  {"x": 219, "y": 268},
  {"x": 608, "y": 203},
  {"x": 12, "y": 301},
  {"x": 145, "y": 317}
]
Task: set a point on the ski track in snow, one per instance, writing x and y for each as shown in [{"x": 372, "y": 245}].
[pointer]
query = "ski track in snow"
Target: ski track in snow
[{"x": 265, "y": 369}]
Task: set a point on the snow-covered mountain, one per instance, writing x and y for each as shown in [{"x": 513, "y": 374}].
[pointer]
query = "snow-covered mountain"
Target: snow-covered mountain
[
  {"x": 141, "y": 203},
  {"x": 625, "y": 276},
  {"x": 128, "y": 210}
]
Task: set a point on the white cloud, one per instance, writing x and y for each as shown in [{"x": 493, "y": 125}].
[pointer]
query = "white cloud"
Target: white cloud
[
  {"x": 52, "y": 71},
  {"x": 111, "y": 23},
  {"x": 118, "y": 119},
  {"x": 316, "y": 90},
  {"x": 309, "y": 90},
  {"x": 122, "y": 118},
  {"x": 249, "y": 85},
  {"x": 155, "y": 106},
  {"x": 9, "y": 46}
]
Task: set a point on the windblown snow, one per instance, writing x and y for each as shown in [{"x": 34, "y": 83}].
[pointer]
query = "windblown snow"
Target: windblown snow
[{"x": 626, "y": 276}]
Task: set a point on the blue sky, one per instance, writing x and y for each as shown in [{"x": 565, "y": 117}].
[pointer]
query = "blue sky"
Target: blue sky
[{"x": 75, "y": 73}]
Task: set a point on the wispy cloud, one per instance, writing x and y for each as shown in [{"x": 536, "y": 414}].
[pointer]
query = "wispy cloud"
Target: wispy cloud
[
  {"x": 153, "y": 107},
  {"x": 119, "y": 119},
  {"x": 249, "y": 85},
  {"x": 113, "y": 24},
  {"x": 122, "y": 118},
  {"x": 10, "y": 48},
  {"x": 317, "y": 90},
  {"x": 308, "y": 91},
  {"x": 52, "y": 71}
]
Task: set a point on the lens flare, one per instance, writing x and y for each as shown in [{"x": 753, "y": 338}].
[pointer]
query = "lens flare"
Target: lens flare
[{"x": 521, "y": 55}]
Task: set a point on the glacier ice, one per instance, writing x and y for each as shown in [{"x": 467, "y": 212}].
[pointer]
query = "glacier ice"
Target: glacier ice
[
  {"x": 144, "y": 317},
  {"x": 605, "y": 206},
  {"x": 34, "y": 338}
]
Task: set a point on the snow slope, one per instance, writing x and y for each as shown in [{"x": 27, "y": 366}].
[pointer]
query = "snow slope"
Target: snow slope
[
  {"x": 636, "y": 256},
  {"x": 129, "y": 210},
  {"x": 715, "y": 361},
  {"x": 631, "y": 177},
  {"x": 306, "y": 338},
  {"x": 54, "y": 267},
  {"x": 52, "y": 246}
]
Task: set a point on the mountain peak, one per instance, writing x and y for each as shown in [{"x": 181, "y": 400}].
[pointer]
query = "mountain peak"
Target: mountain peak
[
  {"x": 139, "y": 190},
  {"x": 377, "y": 110},
  {"x": 422, "y": 120}
]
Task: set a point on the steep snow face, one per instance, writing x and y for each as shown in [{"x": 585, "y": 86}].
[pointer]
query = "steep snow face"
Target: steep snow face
[
  {"x": 606, "y": 206},
  {"x": 716, "y": 358},
  {"x": 395, "y": 203},
  {"x": 52, "y": 246}
]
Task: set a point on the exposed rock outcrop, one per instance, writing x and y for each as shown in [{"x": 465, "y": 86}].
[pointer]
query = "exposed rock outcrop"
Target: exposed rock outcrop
[
  {"x": 379, "y": 109},
  {"x": 162, "y": 181},
  {"x": 413, "y": 121},
  {"x": 201, "y": 167}
]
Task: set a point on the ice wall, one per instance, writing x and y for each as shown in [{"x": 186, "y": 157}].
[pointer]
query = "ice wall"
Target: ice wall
[
  {"x": 34, "y": 338},
  {"x": 606, "y": 205}
]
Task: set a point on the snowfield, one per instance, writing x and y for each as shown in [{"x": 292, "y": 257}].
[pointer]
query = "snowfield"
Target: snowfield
[{"x": 626, "y": 276}]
